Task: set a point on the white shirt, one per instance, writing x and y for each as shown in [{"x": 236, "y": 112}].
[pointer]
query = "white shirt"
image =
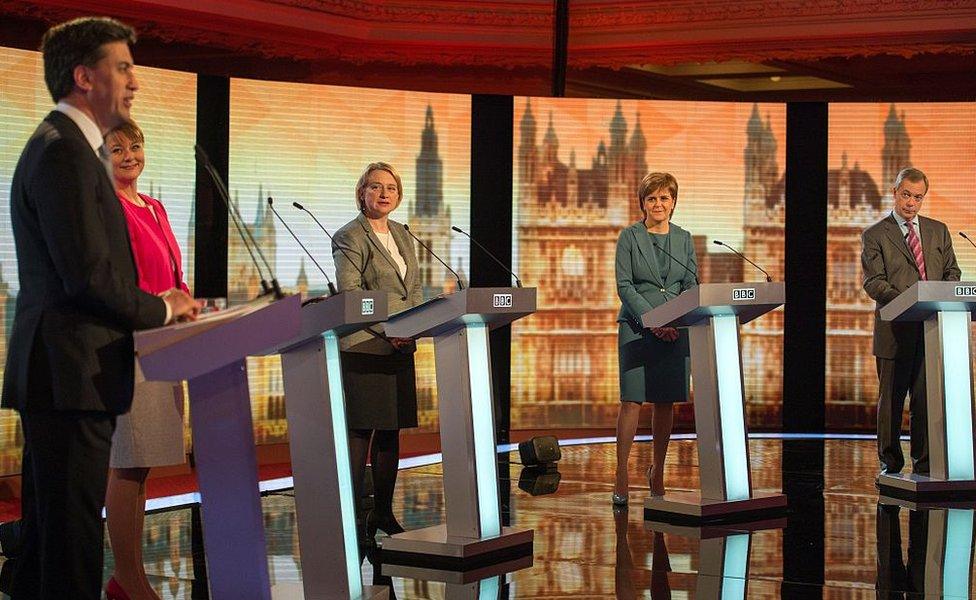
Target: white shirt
[
  {"x": 386, "y": 239},
  {"x": 93, "y": 135}
]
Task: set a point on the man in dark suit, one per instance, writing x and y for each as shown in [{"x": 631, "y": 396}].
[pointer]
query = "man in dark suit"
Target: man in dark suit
[
  {"x": 896, "y": 252},
  {"x": 70, "y": 363}
]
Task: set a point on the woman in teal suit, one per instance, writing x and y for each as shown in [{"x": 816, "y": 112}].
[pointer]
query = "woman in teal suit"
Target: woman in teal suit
[{"x": 653, "y": 363}]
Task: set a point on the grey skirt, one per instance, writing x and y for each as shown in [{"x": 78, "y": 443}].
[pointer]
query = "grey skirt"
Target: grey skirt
[
  {"x": 381, "y": 390},
  {"x": 151, "y": 433},
  {"x": 651, "y": 369}
]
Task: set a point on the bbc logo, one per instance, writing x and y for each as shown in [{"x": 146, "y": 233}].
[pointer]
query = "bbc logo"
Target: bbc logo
[
  {"x": 743, "y": 294},
  {"x": 966, "y": 290},
  {"x": 501, "y": 301},
  {"x": 367, "y": 306}
]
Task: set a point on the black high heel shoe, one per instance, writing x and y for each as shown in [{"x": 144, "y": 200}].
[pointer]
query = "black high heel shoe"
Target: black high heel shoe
[{"x": 388, "y": 524}]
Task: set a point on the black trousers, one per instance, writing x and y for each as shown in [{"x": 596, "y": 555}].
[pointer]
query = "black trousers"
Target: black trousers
[
  {"x": 897, "y": 378},
  {"x": 65, "y": 471},
  {"x": 897, "y": 577}
]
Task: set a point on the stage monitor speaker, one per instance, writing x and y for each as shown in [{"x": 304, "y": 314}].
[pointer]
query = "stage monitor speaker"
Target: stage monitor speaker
[{"x": 540, "y": 450}]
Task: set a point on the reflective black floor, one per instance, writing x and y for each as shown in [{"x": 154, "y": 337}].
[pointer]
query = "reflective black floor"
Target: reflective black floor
[{"x": 836, "y": 541}]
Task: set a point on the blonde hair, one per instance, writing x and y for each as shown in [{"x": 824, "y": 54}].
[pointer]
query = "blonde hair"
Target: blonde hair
[
  {"x": 129, "y": 130},
  {"x": 653, "y": 182},
  {"x": 364, "y": 179}
]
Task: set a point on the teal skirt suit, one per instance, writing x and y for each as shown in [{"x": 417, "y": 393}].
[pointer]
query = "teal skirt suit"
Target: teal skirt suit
[{"x": 651, "y": 369}]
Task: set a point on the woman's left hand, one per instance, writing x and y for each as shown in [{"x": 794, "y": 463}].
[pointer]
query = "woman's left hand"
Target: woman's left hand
[{"x": 668, "y": 334}]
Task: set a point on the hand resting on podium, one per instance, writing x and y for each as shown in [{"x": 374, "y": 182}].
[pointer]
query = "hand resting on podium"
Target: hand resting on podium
[{"x": 182, "y": 307}]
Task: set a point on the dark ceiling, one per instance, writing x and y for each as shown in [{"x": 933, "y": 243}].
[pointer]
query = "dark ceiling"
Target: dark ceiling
[{"x": 751, "y": 50}]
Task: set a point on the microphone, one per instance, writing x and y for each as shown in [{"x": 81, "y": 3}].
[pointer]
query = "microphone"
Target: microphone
[
  {"x": 326, "y": 232},
  {"x": 742, "y": 256},
  {"x": 966, "y": 237},
  {"x": 671, "y": 256},
  {"x": 242, "y": 231},
  {"x": 332, "y": 288},
  {"x": 518, "y": 282},
  {"x": 446, "y": 266}
]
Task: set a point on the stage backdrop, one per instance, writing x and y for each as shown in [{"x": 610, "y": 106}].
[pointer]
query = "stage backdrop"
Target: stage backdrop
[
  {"x": 310, "y": 143},
  {"x": 165, "y": 108},
  {"x": 869, "y": 144},
  {"x": 577, "y": 167}
]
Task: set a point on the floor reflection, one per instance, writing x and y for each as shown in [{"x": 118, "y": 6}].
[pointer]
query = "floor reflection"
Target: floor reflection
[{"x": 838, "y": 541}]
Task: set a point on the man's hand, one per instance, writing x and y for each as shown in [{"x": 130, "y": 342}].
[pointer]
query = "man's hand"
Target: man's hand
[
  {"x": 668, "y": 334},
  {"x": 181, "y": 306}
]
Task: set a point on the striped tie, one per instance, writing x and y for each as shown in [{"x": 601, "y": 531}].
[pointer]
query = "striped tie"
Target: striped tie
[{"x": 916, "y": 247}]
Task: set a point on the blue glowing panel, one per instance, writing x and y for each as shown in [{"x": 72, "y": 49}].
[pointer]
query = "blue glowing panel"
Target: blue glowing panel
[
  {"x": 489, "y": 589},
  {"x": 337, "y": 405},
  {"x": 734, "y": 567},
  {"x": 730, "y": 407},
  {"x": 957, "y": 384},
  {"x": 483, "y": 423},
  {"x": 958, "y": 553}
]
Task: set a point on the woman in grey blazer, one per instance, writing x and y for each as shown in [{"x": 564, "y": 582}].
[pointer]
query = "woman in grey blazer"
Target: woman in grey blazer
[
  {"x": 374, "y": 252},
  {"x": 653, "y": 363}
]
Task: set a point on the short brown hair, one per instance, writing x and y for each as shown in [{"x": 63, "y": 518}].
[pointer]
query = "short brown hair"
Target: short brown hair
[
  {"x": 364, "y": 179},
  {"x": 128, "y": 130},
  {"x": 651, "y": 183},
  {"x": 78, "y": 42}
]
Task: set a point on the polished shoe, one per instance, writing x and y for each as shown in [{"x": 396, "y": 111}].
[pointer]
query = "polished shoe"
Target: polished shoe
[
  {"x": 388, "y": 524},
  {"x": 114, "y": 591},
  {"x": 618, "y": 500}
]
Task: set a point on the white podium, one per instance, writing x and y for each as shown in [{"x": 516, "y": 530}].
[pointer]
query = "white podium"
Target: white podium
[
  {"x": 946, "y": 308},
  {"x": 473, "y": 534},
  {"x": 319, "y": 444},
  {"x": 712, "y": 312}
]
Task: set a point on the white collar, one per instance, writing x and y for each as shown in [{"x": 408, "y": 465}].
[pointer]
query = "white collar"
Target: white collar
[
  {"x": 88, "y": 127},
  {"x": 903, "y": 222}
]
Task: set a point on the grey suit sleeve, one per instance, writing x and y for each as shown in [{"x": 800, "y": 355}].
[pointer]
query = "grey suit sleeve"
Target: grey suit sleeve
[
  {"x": 691, "y": 260},
  {"x": 875, "y": 275},
  {"x": 71, "y": 221},
  {"x": 951, "y": 270},
  {"x": 350, "y": 261},
  {"x": 626, "y": 288}
]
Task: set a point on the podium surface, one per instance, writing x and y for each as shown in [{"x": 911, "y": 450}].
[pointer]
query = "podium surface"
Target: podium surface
[
  {"x": 211, "y": 354},
  {"x": 945, "y": 308},
  {"x": 473, "y": 532},
  {"x": 712, "y": 312}
]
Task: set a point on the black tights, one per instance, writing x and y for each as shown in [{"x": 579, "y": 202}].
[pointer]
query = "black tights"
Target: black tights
[{"x": 384, "y": 454}]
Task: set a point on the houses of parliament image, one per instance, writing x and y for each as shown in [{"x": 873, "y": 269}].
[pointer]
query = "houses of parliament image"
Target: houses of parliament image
[{"x": 564, "y": 357}]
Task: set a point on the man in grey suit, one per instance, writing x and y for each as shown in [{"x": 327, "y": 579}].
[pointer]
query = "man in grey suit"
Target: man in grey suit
[{"x": 896, "y": 252}]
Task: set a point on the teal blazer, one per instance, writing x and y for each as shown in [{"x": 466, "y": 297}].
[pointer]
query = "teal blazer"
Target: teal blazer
[{"x": 639, "y": 282}]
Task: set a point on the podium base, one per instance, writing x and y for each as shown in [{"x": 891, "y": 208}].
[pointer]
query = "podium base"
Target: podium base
[
  {"x": 295, "y": 591},
  {"x": 910, "y": 486},
  {"x": 689, "y": 508},
  {"x": 431, "y": 548}
]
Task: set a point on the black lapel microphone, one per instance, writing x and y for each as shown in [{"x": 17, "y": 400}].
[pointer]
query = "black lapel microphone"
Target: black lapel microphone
[
  {"x": 518, "y": 282},
  {"x": 446, "y": 266},
  {"x": 671, "y": 256},
  {"x": 743, "y": 257},
  {"x": 332, "y": 288},
  {"x": 966, "y": 237},
  {"x": 235, "y": 218},
  {"x": 326, "y": 232}
]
